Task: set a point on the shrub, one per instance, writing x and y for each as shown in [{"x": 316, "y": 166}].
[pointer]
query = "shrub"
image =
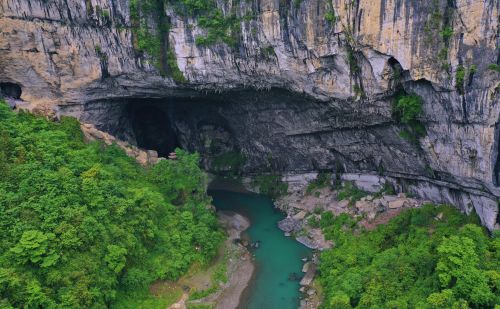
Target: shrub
[
  {"x": 446, "y": 33},
  {"x": 175, "y": 72},
  {"x": 322, "y": 180},
  {"x": 350, "y": 192},
  {"x": 313, "y": 222},
  {"x": 494, "y": 67},
  {"x": 406, "y": 110},
  {"x": 460, "y": 79},
  {"x": 330, "y": 17}
]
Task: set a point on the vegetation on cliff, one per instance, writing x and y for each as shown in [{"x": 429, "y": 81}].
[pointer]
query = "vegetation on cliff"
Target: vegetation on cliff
[
  {"x": 150, "y": 28},
  {"x": 429, "y": 257},
  {"x": 407, "y": 109},
  {"x": 82, "y": 223}
]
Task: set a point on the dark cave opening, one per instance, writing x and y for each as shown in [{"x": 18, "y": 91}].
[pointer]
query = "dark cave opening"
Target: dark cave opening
[
  {"x": 10, "y": 90},
  {"x": 153, "y": 129},
  {"x": 496, "y": 167}
]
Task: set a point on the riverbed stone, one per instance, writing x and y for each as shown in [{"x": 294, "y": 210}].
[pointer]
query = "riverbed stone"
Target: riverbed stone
[
  {"x": 306, "y": 267},
  {"x": 290, "y": 225},
  {"x": 309, "y": 276}
]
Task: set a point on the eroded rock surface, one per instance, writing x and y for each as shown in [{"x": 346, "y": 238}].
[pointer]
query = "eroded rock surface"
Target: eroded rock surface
[{"x": 337, "y": 82}]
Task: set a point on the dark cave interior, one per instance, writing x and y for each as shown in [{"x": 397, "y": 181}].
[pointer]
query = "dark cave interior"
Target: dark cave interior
[
  {"x": 152, "y": 127},
  {"x": 10, "y": 90},
  {"x": 496, "y": 168}
]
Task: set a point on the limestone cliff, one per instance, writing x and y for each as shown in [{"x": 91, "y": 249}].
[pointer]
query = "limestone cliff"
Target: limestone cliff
[{"x": 308, "y": 86}]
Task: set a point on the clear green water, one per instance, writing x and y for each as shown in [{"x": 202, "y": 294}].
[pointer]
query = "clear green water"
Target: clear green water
[{"x": 277, "y": 257}]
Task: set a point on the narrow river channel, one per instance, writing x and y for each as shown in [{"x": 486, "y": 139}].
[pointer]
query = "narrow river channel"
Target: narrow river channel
[{"x": 278, "y": 258}]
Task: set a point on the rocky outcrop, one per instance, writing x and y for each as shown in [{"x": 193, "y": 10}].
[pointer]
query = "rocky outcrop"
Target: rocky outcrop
[
  {"x": 332, "y": 81},
  {"x": 144, "y": 157}
]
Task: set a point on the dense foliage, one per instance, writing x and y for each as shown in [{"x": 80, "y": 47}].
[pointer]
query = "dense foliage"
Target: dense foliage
[
  {"x": 432, "y": 257},
  {"x": 406, "y": 109},
  {"x": 322, "y": 180},
  {"x": 81, "y": 222}
]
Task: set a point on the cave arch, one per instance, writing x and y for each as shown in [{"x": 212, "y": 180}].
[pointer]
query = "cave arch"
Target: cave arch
[{"x": 153, "y": 129}]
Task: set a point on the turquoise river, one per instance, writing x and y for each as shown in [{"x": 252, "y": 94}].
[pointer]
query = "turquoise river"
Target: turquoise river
[{"x": 278, "y": 258}]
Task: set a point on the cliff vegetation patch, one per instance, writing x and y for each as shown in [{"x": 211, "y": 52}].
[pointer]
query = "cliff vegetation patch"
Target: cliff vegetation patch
[{"x": 407, "y": 109}]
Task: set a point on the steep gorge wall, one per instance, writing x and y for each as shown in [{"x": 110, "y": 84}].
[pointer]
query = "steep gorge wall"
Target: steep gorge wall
[{"x": 331, "y": 112}]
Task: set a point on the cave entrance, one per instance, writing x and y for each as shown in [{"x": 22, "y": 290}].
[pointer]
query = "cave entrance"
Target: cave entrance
[
  {"x": 153, "y": 129},
  {"x": 10, "y": 90},
  {"x": 496, "y": 155}
]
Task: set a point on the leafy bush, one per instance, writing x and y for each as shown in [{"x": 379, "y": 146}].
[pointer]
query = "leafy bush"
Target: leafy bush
[
  {"x": 415, "y": 261},
  {"x": 322, "y": 180},
  {"x": 313, "y": 222},
  {"x": 83, "y": 224},
  {"x": 387, "y": 189},
  {"x": 494, "y": 67},
  {"x": 406, "y": 109},
  {"x": 446, "y": 33},
  {"x": 175, "y": 72},
  {"x": 350, "y": 192},
  {"x": 330, "y": 17},
  {"x": 460, "y": 79}
]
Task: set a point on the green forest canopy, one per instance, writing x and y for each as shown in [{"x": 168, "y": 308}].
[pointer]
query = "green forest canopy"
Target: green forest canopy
[
  {"x": 80, "y": 223},
  {"x": 430, "y": 257}
]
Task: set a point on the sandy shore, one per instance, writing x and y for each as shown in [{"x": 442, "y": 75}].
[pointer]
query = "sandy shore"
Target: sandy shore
[{"x": 241, "y": 267}]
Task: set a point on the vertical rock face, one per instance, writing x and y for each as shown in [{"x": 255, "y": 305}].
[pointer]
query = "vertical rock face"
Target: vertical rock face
[{"x": 339, "y": 65}]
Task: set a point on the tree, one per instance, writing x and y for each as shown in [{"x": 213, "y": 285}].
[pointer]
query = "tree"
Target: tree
[
  {"x": 458, "y": 269},
  {"x": 116, "y": 258},
  {"x": 34, "y": 247}
]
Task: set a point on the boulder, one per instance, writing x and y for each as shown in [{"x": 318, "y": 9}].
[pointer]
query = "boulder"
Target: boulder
[
  {"x": 397, "y": 204},
  {"x": 371, "y": 215},
  {"x": 306, "y": 267},
  {"x": 364, "y": 206},
  {"x": 309, "y": 276},
  {"x": 300, "y": 215},
  {"x": 308, "y": 242},
  {"x": 289, "y": 225},
  {"x": 386, "y": 199},
  {"x": 344, "y": 203}
]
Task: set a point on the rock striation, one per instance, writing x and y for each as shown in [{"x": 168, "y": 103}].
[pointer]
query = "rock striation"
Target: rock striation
[{"x": 310, "y": 85}]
